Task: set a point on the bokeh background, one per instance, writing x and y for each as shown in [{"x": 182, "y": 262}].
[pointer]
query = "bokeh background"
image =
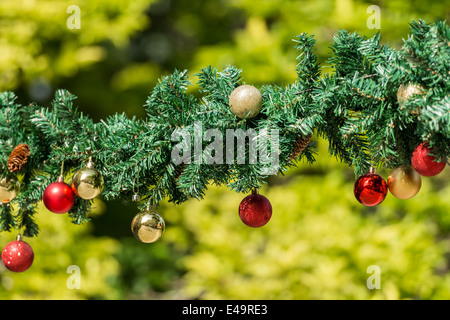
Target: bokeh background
[{"x": 320, "y": 240}]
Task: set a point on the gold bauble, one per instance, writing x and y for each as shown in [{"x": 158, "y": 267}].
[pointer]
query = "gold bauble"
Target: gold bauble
[
  {"x": 405, "y": 92},
  {"x": 9, "y": 188},
  {"x": 87, "y": 183},
  {"x": 148, "y": 226},
  {"x": 245, "y": 101},
  {"x": 404, "y": 182}
]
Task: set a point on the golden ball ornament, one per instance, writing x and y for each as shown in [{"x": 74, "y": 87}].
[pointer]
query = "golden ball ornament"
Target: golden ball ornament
[
  {"x": 9, "y": 188},
  {"x": 404, "y": 182},
  {"x": 405, "y": 92},
  {"x": 245, "y": 101},
  {"x": 148, "y": 226},
  {"x": 87, "y": 183}
]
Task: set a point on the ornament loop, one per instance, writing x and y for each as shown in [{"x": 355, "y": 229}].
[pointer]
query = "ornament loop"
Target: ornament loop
[
  {"x": 62, "y": 168},
  {"x": 136, "y": 181},
  {"x": 90, "y": 164},
  {"x": 61, "y": 174}
]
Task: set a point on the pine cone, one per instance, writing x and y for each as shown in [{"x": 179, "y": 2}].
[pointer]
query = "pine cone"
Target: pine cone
[
  {"x": 18, "y": 157},
  {"x": 300, "y": 144}
]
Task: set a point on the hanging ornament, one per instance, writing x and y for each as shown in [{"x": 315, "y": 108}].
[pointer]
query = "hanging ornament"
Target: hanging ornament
[
  {"x": 370, "y": 189},
  {"x": 148, "y": 226},
  {"x": 9, "y": 188},
  {"x": 404, "y": 182},
  {"x": 405, "y": 92},
  {"x": 18, "y": 255},
  {"x": 87, "y": 183},
  {"x": 426, "y": 165},
  {"x": 255, "y": 210},
  {"x": 58, "y": 196},
  {"x": 245, "y": 101}
]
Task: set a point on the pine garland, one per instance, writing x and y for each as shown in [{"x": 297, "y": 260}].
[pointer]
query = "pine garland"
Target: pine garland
[{"x": 355, "y": 109}]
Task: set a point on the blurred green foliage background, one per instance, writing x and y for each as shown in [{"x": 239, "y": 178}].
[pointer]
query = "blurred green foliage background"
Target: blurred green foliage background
[{"x": 320, "y": 240}]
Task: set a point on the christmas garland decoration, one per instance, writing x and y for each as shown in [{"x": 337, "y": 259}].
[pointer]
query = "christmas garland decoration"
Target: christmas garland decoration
[{"x": 380, "y": 108}]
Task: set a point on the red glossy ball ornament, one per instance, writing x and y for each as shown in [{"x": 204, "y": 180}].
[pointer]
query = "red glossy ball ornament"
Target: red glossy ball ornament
[
  {"x": 58, "y": 197},
  {"x": 18, "y": 255},
  {"x": 370, "y": 189},
  {"x": 426, "y": 165},
  {"x": 255, "y": 210}
]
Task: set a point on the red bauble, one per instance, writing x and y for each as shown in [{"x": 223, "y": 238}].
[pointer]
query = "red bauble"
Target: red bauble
[
  {"x": 424, "y": 164},
  {"x": 255, "y": 210},
  {"x": 58, "y": 197},
  {"x": 370, "y": 189},
  {"x": 17, "y": 256}
]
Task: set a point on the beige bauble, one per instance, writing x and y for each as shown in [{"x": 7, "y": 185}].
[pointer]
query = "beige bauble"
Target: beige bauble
[
  {"x": 245, "y": 101},
  {"x": 404, "y": 182},
  {"x": 9, "y": 188},
  {"x": 405, "y": 92}
]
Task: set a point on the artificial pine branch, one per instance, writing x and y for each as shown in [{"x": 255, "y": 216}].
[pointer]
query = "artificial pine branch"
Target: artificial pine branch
[{"x": 355, "y": 109}]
